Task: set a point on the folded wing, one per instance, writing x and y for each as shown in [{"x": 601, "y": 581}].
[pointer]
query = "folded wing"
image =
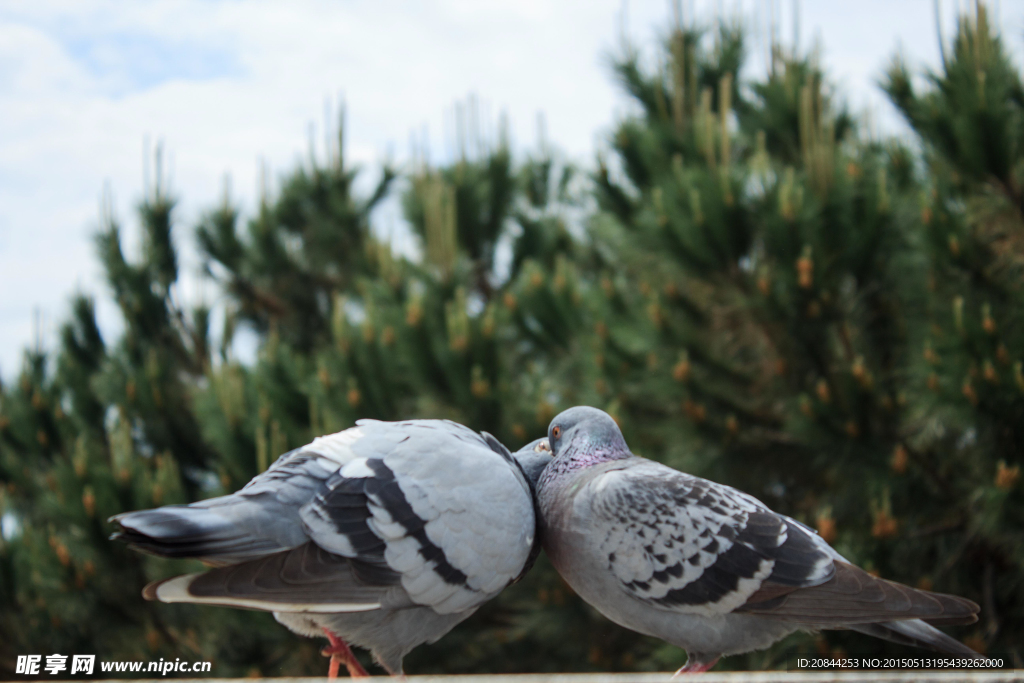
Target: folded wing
[{"x": 427, "y": 508}]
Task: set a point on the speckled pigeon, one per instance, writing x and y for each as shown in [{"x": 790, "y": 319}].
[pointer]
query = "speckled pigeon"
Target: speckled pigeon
[
  {"x": 385, "y": 535},
  {"x": 706, "y": 567}
]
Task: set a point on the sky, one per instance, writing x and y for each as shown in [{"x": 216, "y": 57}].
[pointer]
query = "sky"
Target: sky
[{"x": 88, "y": 89}]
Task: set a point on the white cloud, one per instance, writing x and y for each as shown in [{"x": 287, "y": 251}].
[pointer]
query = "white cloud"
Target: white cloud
[{"x": 82, "y": 84}]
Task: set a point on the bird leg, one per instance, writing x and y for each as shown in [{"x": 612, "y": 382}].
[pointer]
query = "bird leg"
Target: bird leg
[
  {"x": 695, "y": 664},
  {"x": 339, "y": 652}
]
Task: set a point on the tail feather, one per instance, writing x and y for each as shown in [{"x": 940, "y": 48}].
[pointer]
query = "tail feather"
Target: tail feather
[
  {"x": 304, "y": 579},
  {"x": 189, "y": 532},
  {"x": 917, "y": 633},
  {"x": 852, "y": 596}
]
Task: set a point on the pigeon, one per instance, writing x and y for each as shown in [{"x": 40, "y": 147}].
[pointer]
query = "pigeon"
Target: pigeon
[
  {"x": 706, "y": 567},
  {"x": 385, "y": 535}
]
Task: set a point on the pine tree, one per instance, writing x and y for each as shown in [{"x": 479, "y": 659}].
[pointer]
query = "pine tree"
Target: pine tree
[
  {"x": 968, "y": 360},
  {"x": 96, "y": 429}
]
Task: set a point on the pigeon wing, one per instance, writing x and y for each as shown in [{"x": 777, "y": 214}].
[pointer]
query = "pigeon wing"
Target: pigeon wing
[
  {"x": 260, "y": 546},
  {"x": 852, "y": 596},
  {"x": 429, "y": 506},
  {"x": 682, "y": 543},
  {"x": 259, "y": 520},
  {"x": 433, "y": 502}
]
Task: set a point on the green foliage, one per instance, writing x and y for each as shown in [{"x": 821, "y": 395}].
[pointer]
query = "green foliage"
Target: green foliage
[
  {"x": 757, "y": 292},
  {"x": 309, "y": 243}
]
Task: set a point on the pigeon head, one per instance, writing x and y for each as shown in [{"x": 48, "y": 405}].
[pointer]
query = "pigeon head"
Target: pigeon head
[
  {"x": 586, "y": 434},
  {"x": 533, "y": 458}
]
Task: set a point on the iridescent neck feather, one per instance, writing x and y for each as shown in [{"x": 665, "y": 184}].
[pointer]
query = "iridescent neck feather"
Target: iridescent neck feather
[{"x": 581, "y": 453}]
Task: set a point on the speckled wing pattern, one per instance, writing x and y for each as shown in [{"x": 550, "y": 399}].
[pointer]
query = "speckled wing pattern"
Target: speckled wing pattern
[{"x": 682, "y": 543}]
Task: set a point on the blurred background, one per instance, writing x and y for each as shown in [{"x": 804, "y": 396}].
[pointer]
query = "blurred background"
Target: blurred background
[{"x": 780, "y": 242}]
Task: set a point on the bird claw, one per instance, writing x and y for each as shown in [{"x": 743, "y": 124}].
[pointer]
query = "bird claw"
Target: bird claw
[{"x": 340, "y": 653}]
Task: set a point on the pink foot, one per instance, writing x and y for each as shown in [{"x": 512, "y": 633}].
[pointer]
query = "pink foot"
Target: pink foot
[
  {"x": 340, "y": 653},
  {"x": 695, "y": 664}
]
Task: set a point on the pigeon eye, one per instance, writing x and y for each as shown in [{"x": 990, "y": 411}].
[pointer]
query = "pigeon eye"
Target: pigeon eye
[
  {"x": 542, "y": 447},
  {"x": 556, "y": 431}
]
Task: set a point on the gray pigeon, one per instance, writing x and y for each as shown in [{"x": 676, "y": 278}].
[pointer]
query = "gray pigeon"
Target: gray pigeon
[
  {"x": 706, "y": 567},
  {"x": 385, "y": 535}
]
